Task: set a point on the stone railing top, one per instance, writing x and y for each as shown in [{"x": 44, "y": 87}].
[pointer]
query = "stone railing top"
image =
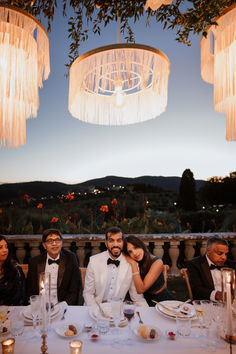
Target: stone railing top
[{"x": 101, "y": 237}]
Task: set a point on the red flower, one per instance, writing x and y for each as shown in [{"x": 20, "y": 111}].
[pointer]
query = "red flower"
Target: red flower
[
  {"x": 114, "y": 201},
  {"x": 54, "y": 219},
  {"x": 0, "y": 211},
  {"x": 149, "y": 217},
  {"x": 40, "y": 206},
  {"x": 104, "y": 208},
  {"x": 125, "y": 219},
  {"x": 26, "y": 196},
  {"x": 159, "y": 223},
  {"x": 70, "y": 196}
]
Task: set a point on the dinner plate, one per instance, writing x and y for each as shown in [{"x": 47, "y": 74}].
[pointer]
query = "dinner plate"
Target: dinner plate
[
  {"x": 60, "y": 330},
  {"x": 28, "y": 316},
  {"x": 171, "y": 312},
  {"x": 94, "y": 312},
  {"x": 149, "y": 327}
]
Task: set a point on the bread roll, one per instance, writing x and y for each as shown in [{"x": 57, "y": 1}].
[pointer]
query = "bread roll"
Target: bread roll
[
  {"x": 143, "y": 331},
  {"x": 69, "y": 333}
]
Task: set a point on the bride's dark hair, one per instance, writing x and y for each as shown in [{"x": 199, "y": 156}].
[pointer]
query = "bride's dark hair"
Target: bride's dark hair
[
  {"x": 9, "y": 264},
  {"x": 146, "y": 262}
]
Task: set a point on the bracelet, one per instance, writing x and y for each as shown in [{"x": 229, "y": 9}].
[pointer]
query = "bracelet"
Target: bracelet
[{"x": 136, "y": 273}]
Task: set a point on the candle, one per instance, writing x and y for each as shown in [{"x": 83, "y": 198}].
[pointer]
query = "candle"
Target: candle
[
  {"x": 75, "y": 347},
  {"x": 8, "y": 346},
  {"x": 229, "y": 305},
  {"x": 44, "y": 287},
  {"x": 43, "y": 309}
]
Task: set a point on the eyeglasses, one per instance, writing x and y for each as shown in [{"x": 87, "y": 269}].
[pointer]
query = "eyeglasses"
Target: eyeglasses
[{"x": 50, "y": 241}]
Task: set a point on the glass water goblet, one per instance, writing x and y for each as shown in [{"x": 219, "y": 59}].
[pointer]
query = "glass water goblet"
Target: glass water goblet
[
  {"x": 35, "y": 304},
  {"x": 129, "y": 311},
  {"x": 207, "y": 309},
  {"x": 116, "y": 315}
]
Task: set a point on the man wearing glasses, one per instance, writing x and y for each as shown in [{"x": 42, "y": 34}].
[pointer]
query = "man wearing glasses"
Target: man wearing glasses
[{"x": 61, "y": 264}]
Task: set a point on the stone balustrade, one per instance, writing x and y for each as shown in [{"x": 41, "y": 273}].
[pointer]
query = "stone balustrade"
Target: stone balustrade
[{"x": 174, "y": 249}]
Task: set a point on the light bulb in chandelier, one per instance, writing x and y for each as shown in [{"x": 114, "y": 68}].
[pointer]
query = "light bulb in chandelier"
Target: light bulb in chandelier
[{"x": 119, "y": 96}]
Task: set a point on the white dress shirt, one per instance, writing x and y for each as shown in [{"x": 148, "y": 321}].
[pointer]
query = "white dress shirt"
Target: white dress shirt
[
  {"x": 111, "y": 281},
  {"x": 216, "y": 276},
  {"x": 53, "y": 270}
]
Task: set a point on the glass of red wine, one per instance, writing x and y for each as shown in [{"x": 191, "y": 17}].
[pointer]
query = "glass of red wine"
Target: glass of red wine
[{"x": 129, "y": 311}]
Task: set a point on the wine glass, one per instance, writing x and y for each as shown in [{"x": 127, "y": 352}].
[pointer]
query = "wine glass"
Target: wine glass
[
  {"x": 35, "y": 303},
  {"x": 116, "y": 315},
  {"x": 129, "y": 310},
  {"x": 207, "y": 309}
]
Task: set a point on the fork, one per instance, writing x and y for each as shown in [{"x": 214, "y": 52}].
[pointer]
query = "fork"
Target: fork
[
  {"x": 63, "y": 316},
  {"x": 140, "y": 320}
]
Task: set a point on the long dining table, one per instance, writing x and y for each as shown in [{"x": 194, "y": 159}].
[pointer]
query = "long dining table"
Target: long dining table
[{"x": 30, "y": 341}]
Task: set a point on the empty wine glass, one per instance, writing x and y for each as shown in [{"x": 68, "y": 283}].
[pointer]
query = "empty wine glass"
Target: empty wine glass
[
  {"x": 129, "y": 310},
  {"x": 35, "y": 303},
  {"x": 207, "y": 309},
  {"x": 116, "y": 315}
]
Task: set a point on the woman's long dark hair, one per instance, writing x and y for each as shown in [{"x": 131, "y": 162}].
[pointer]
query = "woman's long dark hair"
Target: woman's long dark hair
[
  {"x": 8, "y": 266},
  {"x": 146, "y": 262}
]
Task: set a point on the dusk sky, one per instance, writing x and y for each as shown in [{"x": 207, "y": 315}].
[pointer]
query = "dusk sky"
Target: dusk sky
[{"x": 190, "y": 134}]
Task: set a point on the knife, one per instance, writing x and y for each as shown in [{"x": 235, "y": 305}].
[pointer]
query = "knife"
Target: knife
[
  {"x": 101, "y": 309},
  {"x": 171, "y": 310}
]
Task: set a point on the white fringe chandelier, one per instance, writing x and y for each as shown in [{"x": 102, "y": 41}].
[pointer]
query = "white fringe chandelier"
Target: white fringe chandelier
[
  {"x": 24, "y": 64},
  {"x": 119, "y": 84},
  {"x": 155, "y": 4},
  {"x": 218, "y": 66}
]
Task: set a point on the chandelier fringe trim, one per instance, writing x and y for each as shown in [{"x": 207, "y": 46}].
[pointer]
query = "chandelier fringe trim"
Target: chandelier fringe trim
[
  {"x": 219, "y": 67},
  {"x": 24, "y": 64},
  {"x": 143, "y": 73}
]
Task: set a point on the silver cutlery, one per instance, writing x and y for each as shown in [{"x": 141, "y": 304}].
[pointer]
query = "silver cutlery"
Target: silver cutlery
[
  {"x": 63, "y": 316},
  {"x": 140, "y": 319},
  {"x": 171, "y": 310}
]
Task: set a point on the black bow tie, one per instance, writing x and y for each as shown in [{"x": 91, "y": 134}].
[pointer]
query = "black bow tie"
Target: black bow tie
[
  {"x": 113, "y": 261},
  {"x": 51, "y": 261},
  {"x": 213, "y": 266}
]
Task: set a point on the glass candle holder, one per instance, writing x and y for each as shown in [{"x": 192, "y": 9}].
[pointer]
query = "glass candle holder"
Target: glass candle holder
[
  {"x": 45, "y": 289},
  {"x": 8, "y": 346},
  {"x": 228, "y": 291},
  {"x": 75, "y": 347}
]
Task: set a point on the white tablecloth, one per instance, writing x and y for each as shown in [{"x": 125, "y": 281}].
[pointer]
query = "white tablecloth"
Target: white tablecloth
[{"x": 30, "y": 341}]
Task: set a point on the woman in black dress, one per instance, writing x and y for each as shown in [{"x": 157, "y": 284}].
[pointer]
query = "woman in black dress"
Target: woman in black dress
[
  {"x": 147, "y": 271},
  {"x": 12, "y": 279}
]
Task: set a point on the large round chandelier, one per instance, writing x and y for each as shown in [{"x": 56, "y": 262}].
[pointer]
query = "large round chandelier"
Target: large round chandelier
[
  {"x": 119, "y": 84},
  {"x": 24, "y": 64},
  {"x": 218, "y": 66}
]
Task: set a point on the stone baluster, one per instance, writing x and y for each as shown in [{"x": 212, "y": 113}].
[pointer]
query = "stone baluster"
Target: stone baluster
[
  {"x": 20, "y": 250},
  {"x": 81, "y": 252},
  {"x": 35, "y": 251},
  {"x": 174, "y": 254},
  {"x": 66, "y": 244},
  {"x": 233, "y": 249},
  {"x": 95, "y": 245},
  {"x": 189, "y": 249},
  {"x": 158, "y": 250},
  {"x": 203, "y": 247}
]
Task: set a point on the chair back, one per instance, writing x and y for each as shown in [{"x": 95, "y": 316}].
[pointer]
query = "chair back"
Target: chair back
[
  {"x": 165, "y": 270},
  {"x": 184, "y": 273},
  {"x": 82, "y": 275},
  {"x": 25, "y": 269}
]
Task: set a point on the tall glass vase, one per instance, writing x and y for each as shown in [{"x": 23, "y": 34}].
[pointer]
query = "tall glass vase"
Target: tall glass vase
[
  {"x": 45, "y": 290},
  {"x": 228, "y": 291}
]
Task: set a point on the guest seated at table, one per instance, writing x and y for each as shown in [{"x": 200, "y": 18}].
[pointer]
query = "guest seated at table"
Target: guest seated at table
[
  {"x": 12, "y": 279},
  {"x": 147, "y": 271},
  {"x": 61, "y": 264},
  {"x": 109, "y": 275},
  {"x": 204, "y": 271}
]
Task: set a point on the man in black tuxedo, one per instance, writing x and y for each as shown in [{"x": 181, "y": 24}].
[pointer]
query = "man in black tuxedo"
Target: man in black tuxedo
[
  {"x": 61, "y": 264},
  {"x": 204, "y": 271}
]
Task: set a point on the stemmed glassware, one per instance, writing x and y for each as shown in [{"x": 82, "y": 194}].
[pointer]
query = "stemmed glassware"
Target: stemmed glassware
[
  {"x": 207, "y": 308},
  {"x": 129, "y": 311},
  {"x": 116, "y": 315},
  {"x": 35, "y": 303}
]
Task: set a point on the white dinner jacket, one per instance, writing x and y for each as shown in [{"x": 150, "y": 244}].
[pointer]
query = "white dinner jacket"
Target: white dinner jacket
[{"x": 96, "y": 279}]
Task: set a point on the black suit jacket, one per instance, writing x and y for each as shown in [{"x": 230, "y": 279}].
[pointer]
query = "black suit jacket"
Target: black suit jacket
[
  {"x": 68, "y": 279},
  {"x": 200, "y": 277}
]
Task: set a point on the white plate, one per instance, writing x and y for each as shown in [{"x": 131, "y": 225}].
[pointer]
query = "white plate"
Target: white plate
[
  {"x": 149, "y": 327},
  {"x": 94, "y": 312},
  {"x": 170, "y": 304},
  {"x": 60, "y": 330},
  {"x": 28, "y": 316}
]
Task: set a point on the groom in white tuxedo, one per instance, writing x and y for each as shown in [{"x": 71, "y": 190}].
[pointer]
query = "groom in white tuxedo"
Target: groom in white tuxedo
[{"x": 109, "y": 275}]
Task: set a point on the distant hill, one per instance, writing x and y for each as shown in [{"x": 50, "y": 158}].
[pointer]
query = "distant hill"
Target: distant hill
[{"x": 11, "y": 191}]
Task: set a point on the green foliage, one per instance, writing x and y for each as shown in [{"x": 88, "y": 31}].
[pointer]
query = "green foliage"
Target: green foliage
[{"x": 183, "y": 16}]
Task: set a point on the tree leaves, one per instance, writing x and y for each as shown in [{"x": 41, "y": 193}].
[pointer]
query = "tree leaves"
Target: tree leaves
[{"x": 183, "y": 16}]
